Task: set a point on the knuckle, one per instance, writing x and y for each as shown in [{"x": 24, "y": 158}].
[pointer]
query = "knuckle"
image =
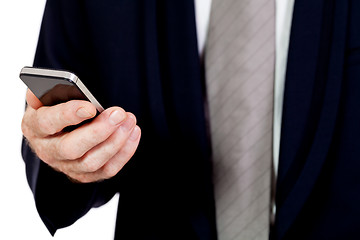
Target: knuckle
[
  {"x": 96, "y": 132},
  {"x": 133, "y": 116},
  {"x": 128, "y": 151},
  {"x": 25, "y": 128},
  {"x": 66, "y": 151},
  {"x": 62, "y": 151},
  {"x": 96, "y": 135},
  {"x": 69, "y": 154},
  {"x": 45, "y": 126},
  {"x": 107, "y": 152},
  {"x": 66, "y": 116},
  {"x": 42, "y": 153},
  {"x": 110, "y": 171},
  {"x": 89, "y": 165}
]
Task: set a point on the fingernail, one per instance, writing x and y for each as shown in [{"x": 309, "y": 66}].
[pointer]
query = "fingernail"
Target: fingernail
[
  {"x": 135, "y": 134},
  {"x": 129, "y": 123},
  {"x": 116, "y": 117},
  {"x": 83, "y": 113}
]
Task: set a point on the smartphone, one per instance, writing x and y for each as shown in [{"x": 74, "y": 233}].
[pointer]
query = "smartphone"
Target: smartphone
[{"x": 56, "y": 86}]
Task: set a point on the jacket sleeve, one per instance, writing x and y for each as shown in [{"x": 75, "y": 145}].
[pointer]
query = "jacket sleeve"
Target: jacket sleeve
[
  {"x": 59, "y": 201},
  {"x": 63, "y": 44}
]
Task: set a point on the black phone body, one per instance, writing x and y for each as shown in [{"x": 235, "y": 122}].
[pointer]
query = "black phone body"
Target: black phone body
[{"x": 56, "y": 86}]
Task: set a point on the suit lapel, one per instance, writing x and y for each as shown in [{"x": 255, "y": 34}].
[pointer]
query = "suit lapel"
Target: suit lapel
[{"x": 312, "y": 95}]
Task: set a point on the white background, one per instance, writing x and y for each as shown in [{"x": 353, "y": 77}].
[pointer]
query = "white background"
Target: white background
[{"x": 19, "y": 28}]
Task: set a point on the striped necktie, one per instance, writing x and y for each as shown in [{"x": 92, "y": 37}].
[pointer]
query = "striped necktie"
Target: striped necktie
[{"x": 239, "y": 63}]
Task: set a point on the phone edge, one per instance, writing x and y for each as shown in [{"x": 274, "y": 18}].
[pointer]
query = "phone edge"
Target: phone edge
[{"x": 88, "y": 94}]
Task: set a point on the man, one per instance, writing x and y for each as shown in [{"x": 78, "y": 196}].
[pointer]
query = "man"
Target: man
[{"x": 143, "y": 56}]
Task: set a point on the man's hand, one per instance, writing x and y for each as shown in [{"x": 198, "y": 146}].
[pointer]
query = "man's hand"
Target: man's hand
[{"x": 94, "y": 151}]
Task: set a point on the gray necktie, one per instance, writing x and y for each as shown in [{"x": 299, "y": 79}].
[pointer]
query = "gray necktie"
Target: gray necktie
[{"x": 239, "y": 60}]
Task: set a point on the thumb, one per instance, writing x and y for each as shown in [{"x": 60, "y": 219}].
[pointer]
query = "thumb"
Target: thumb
[{"x": 32, "y": 100}]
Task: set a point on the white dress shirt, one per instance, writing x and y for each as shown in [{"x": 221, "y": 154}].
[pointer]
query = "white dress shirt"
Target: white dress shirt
[{"x": 284, "y": 10}]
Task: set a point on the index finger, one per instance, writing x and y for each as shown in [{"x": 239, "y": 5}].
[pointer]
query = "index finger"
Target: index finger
[{"x": 32, "y": 100}]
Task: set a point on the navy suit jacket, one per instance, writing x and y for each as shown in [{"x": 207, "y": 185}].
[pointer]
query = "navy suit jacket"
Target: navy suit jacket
[{"x": 143, "y": 56}]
